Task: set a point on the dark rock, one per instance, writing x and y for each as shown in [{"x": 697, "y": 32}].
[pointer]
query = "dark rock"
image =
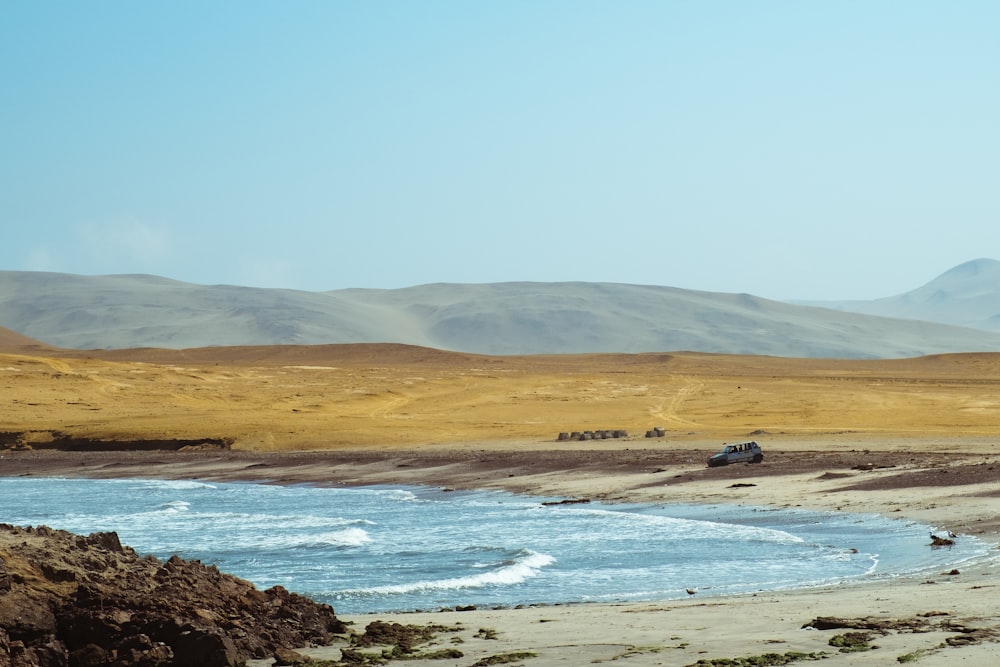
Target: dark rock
[
  {"x": 117, "y": 608},
  {"x": 25, "y": 617},
  {"x": 286, "y": 656},
  {"x": 55, "y": 573},
  {"x": 205, "y": 648},
  {"x": 51, "y": 653},
  {"x": 406, "y": 637},
  {"x": 80, "y": 627},
  {"x": 90, "y": 655},
  {"x": 352, "y": 657},
  {"x": 4, "y": 577},
  {"x": 156, "y": 655}
]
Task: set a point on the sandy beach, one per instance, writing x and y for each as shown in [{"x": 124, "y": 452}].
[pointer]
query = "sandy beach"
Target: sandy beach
[
  {"x": 913, "y": 439},
  {"x": 942, "y": 618}
]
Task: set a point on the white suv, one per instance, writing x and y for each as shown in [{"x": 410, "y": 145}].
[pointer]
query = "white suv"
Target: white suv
[{"x": 741, "y": 452}]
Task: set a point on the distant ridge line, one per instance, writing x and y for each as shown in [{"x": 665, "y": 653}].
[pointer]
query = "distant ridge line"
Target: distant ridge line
[{"x": 512, "y": 318}]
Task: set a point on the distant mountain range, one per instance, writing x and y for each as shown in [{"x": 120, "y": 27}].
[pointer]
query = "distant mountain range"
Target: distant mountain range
[
  {"x": 966, "y": 296},
  {"x": 957, "y": 312}
]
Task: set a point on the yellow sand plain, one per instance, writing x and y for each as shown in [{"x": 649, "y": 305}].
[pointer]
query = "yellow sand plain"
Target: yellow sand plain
[{"x": 336, "y": 396}]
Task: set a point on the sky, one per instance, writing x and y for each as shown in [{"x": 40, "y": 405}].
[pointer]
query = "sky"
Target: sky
[{"x": 790, "y": 150}]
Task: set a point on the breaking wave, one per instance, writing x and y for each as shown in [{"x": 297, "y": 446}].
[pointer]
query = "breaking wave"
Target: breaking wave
[
  {"x": 508, "y": 573},
  {"x": 396, "y": 549}
]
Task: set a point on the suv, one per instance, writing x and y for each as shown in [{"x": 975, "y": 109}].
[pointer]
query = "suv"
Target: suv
[{"x": 741, "y": 452}]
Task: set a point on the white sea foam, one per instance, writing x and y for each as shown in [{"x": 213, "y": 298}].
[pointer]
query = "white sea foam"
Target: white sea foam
[
  {"x": 349, "y": 537},
  {"x": 276, "y": 540},
  {"x": 401, "y": 495},
  {"x": 239, "y": 520},
  {"x": 286, "y": 521},
  {"x": 512, "y": 573},
  {"x": 175, "y": 484},
  {"x": 175, "y": 506},
  {"x": 680, "y": 528},
  {"x": 433, "y": 548}
]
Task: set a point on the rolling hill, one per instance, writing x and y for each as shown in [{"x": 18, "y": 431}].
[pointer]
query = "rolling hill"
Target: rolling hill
[
  {"x": 129, "y": 311},
  {"x": 967, "y": 295}
]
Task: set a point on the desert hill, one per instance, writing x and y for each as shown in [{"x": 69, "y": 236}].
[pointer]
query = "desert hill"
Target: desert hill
[
  {"x": 135, "y": 311},
  {"x": 967, "y": 296},
  {"x": 12, "y": 341}
]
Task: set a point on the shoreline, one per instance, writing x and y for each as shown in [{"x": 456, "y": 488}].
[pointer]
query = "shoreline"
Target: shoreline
[
  {"x": 952, "y": 489},
  {"x": 926, "y": 613}
]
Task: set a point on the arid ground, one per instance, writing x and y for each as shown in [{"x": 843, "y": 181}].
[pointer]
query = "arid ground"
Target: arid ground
[
  {"x": 326, "y": 397},
  {"x": 914, "y": 438}
]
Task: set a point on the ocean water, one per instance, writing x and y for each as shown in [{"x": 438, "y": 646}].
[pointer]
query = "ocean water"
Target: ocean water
[{"x": 397, "y": 549}]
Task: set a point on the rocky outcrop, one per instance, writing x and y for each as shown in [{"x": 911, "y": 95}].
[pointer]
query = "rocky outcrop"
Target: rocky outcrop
[{"x": 86, "y": 601}]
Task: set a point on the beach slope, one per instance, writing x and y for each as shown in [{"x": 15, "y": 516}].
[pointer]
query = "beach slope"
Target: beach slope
[{"x": 912, "y": 438}]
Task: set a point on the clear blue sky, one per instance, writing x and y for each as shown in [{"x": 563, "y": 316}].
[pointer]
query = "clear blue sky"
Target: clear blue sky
[{"x": 841, "y": 149}]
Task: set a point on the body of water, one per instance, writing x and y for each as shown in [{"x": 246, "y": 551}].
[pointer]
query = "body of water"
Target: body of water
[{"x": 394, "y": 549}]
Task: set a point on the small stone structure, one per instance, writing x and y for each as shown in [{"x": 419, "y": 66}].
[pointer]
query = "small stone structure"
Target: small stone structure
[{"x": 605, "y": 434}]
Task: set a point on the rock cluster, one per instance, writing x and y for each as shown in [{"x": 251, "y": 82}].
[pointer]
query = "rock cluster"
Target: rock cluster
[
  {"x": 68, "y": 600},
  {"x": 604, "y": 434}
]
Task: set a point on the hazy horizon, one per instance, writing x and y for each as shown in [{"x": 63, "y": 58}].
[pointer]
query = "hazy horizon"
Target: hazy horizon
[
  {"x": 787, "y": 150},
  {"x": 513, "y": 281}
]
